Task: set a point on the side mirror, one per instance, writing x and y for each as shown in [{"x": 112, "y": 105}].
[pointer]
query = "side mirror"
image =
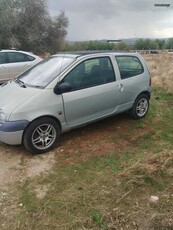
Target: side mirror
[{"x": 62, "y": 88}]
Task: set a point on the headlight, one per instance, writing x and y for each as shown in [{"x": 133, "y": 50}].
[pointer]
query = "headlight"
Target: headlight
[{"x": 2, "y": 116}]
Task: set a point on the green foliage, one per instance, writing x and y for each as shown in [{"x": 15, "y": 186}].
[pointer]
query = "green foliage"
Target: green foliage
[
  {"x": 169, "y": 44},
  {"x": 27, "y": 25},
  {"x": 94, "y": 45},
  {"x": 140, "y": 44},
  {"x": 98, "y": 219},
  {"x": 28, "y": 198},
  {"x": 146, "y": 44}
]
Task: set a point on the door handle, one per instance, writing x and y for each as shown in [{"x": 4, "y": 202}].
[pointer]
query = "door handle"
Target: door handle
[{"x": 120, "y": 87}]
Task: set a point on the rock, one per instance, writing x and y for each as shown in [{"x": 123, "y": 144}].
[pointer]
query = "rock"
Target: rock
[{"x": 154, "y": 199}]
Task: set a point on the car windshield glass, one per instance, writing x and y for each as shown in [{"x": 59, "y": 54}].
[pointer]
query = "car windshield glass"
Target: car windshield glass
[{"x": 44, "y": 72}]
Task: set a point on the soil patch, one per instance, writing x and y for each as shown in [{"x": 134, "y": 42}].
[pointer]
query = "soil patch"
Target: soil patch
[{"x": 17, "y": 164}]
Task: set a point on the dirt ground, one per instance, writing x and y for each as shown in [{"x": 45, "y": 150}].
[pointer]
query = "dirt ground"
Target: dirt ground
[{"x": 17, "y": 164}]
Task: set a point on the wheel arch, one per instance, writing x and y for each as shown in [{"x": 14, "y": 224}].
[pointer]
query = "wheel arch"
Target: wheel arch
[
  {"x": 45, "y": 116},
  {"x": 147, "y": 93},
  {"x": 144, "y": 109}
]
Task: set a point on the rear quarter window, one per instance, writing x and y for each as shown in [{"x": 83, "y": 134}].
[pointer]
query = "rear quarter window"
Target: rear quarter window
[
  {"x": 30, "y": 58},
  {"x": 129, "y": 66}
]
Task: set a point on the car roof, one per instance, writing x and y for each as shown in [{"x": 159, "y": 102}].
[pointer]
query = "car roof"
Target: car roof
[
  {"x": 10, "y": 50},
  {"x": 92, "y": 53},
  {"x": 15, "y": 50}
]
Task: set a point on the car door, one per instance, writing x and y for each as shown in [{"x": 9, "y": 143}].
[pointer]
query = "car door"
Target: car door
[
  {"x": 4, "y": 73},
  {"x": 133, "y": 79},
  {"x": 18, "y": 63},
  {"x": 93, "y": 94}
]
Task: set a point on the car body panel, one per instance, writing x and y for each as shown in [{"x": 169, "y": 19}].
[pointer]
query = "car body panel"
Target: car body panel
[
  {"x": 86, "y": 105},
  {"x": 4, "y": 73},
  {"x": 16, "y": 68},
  {"x": 11, "y": 138},
  {"x": 13, "y": 96}
]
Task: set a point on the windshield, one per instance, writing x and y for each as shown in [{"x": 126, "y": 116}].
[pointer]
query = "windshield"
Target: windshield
[{"x": 45, "y": 71}]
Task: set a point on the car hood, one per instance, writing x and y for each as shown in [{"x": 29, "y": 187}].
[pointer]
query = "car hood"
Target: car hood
[{"x": 13, "y": 95}]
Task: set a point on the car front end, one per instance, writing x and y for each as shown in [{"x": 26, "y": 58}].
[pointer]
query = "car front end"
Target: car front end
[{"x": 11, "y": 131}]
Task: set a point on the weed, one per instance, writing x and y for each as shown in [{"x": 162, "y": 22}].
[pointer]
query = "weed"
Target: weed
[
  {"x": 98, "y": 219},
  {"x": 28, "y": 197}
]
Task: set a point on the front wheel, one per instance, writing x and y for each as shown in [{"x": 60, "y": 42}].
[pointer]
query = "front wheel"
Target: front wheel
[
  {"x": 140, "y": 107},
  {"x": 41, "y": 135}
]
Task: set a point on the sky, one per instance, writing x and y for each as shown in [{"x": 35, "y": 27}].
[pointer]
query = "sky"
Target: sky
[{"x": 115, "y": 19}]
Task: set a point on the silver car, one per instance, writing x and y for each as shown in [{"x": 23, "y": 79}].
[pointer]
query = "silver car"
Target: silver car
[
  {"x": 65, "y": 91},
  {"x": 14, "y": 62}
]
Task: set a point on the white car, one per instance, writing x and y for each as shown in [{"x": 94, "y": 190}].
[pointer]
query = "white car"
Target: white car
[{"x": 14, "y": 62}]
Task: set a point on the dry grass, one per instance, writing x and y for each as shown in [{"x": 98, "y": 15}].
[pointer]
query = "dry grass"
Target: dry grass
[{"x": 161, "y": 69}]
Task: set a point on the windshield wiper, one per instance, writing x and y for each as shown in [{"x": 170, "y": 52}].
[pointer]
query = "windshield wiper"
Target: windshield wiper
[{"x": 22, "y": 84}]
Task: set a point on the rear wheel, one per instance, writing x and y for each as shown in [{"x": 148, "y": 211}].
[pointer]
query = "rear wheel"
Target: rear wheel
[
  {"x": 41, "y": 135},
  {"x": 140, "y": 107}
]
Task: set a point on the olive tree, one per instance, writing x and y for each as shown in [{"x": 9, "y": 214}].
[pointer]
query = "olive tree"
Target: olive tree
[
  {"x": 9, "y": 22},
  {"x": 56, "y": 32},
  {"x": 27, "y": 24}
]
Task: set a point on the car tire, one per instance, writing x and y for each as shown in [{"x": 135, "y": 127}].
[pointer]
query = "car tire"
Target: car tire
[
  {"x": 140, "y": 107},
  {"x": 41, "y": 135}
]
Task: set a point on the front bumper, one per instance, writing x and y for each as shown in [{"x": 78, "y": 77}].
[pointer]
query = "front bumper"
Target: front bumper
[{"x": 11, "y": 132}]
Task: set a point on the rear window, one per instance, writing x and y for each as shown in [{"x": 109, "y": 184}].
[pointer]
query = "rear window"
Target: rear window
[{"x": 129, "y": 66}]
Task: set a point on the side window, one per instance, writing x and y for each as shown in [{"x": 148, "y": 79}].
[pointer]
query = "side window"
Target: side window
[
  {"x": 129, "y": 66},
  {"x": 92, "y": 72},
  {"x": 3, "y": 59},
  {"x": 30, "y": 58},
  {"x": 17, "y": 57}
]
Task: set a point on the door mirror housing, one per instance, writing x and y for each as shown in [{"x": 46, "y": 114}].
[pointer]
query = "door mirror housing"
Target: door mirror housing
[{"x": 62, "y": 88}]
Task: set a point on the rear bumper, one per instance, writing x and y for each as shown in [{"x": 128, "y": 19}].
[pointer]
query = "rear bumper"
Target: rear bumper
[{"x": 11, "y": 132}]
